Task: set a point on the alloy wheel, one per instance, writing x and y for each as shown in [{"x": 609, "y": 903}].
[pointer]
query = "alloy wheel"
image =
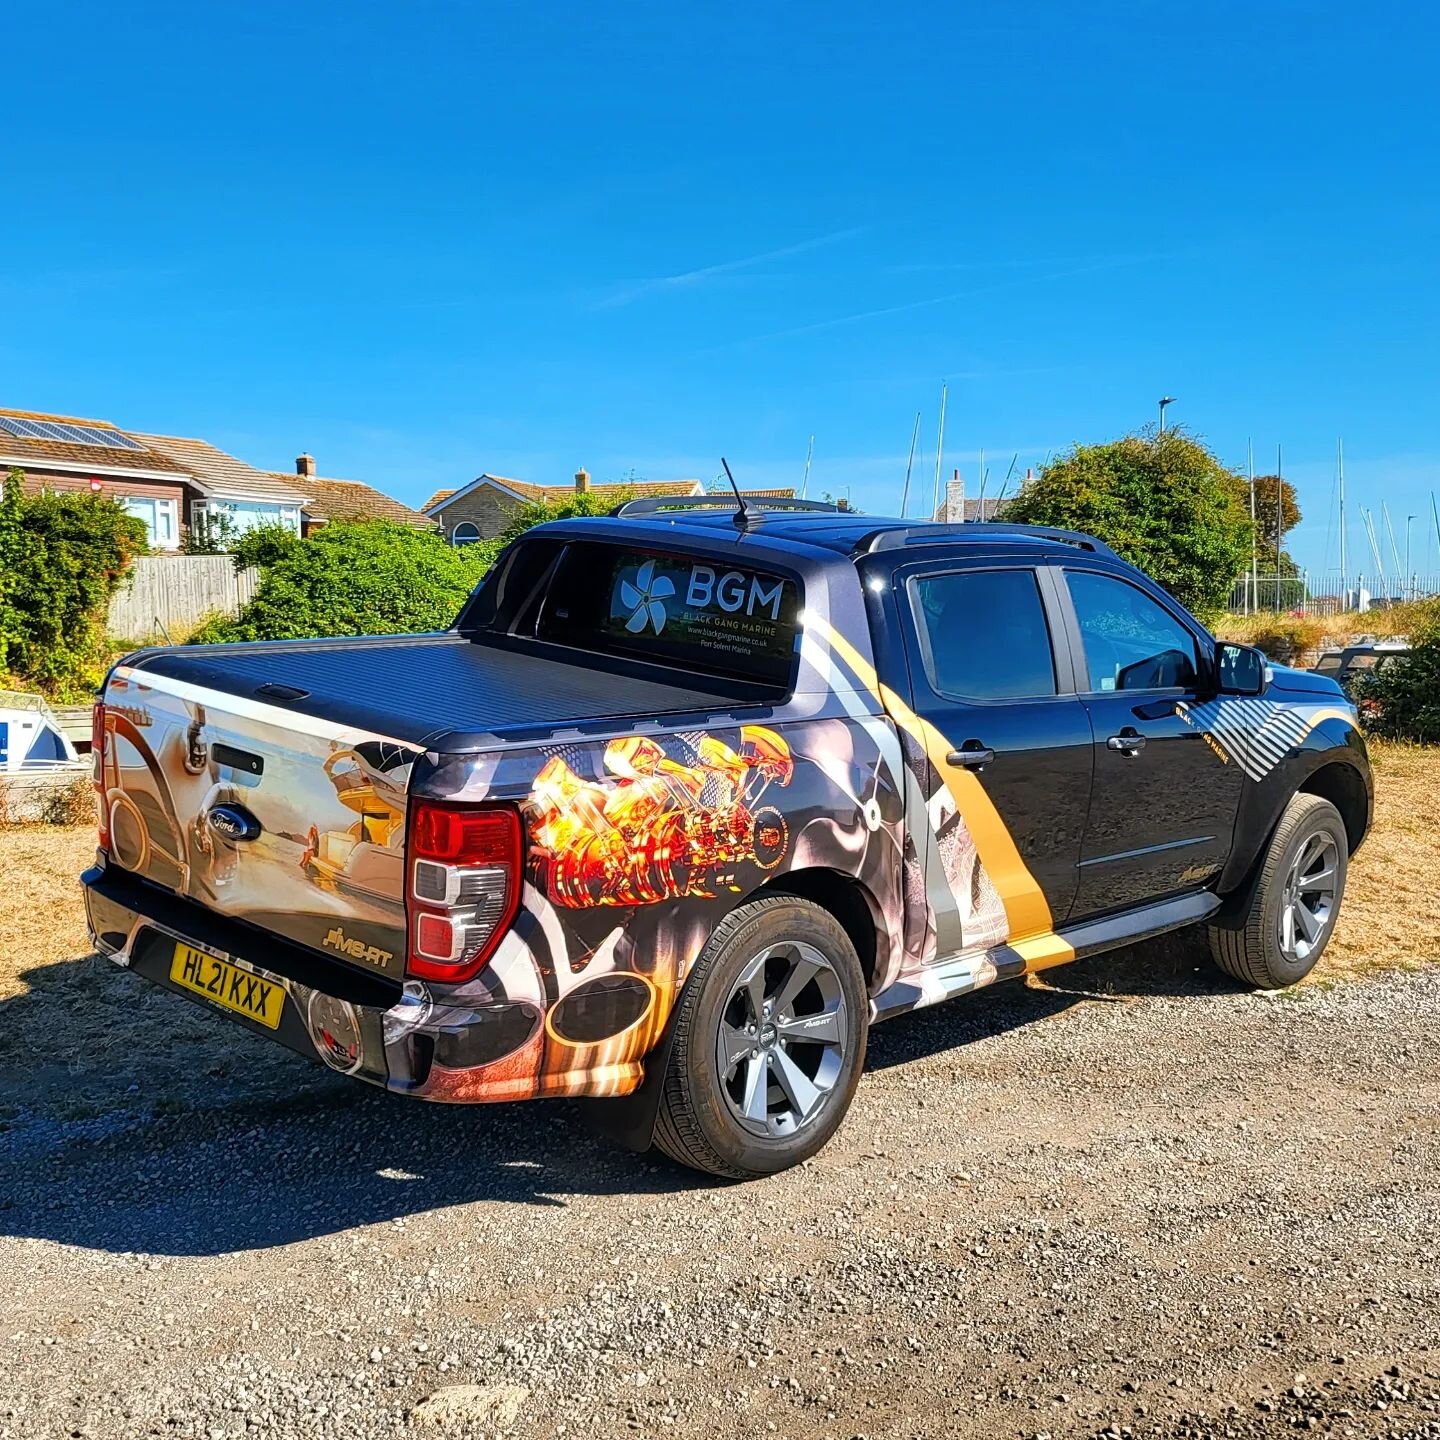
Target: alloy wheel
[
  {"x": 1308, "y": 901},
  {"x": 783, "y": 1036}
]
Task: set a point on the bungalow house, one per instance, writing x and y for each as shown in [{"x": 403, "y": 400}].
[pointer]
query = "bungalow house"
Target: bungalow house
[
  {"x": 62, "y": 452},
  {"x": 325, "y": 500},
  {"x": 223, "y": 485},
  {"x": 173, "y": 481},
  {"x": 482, "y": 509},
  {"x": 303, "y": 501}
]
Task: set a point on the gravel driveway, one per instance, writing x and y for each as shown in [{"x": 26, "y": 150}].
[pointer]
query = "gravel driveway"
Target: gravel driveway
[{"x": 1134, "y": 1203}]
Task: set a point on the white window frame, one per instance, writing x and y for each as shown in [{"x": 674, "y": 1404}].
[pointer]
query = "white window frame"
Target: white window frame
[
  {"x": 458, "y": 541},
  {"x": 161, "y": 516}
]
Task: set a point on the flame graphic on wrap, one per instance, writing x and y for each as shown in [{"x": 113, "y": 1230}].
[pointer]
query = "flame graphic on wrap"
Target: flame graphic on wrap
[{"x": 655, "y": 829}]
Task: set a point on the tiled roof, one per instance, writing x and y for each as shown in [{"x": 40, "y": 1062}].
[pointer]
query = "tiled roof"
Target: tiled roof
[
  {"x": 977, "y": 510},
  {"x": 223, "y": 476},
  {"x": 350, "y": 500},
  {"x": 529, "y": 491},
  {"x": 71, "y": 454}
]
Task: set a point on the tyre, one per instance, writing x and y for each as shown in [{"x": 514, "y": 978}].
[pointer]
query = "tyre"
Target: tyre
[
  {"x": 1280, "y": 925},
  {"x": 769, "y": 1042}
]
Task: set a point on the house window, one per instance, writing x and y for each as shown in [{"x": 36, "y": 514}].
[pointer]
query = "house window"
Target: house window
[
  {"x": 464, "y": 534},
  {"x": 248, "y": 514},
  {"x": 159, "y": 516}
]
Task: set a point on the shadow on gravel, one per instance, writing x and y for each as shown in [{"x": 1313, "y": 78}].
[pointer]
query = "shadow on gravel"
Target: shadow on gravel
[
  {"x": 131, "y": 1120},
  {"x": 1172, "y": 965}
]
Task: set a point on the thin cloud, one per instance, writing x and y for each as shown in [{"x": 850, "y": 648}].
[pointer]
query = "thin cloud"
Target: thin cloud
[
  {"x": 688, "y": 279},
  {"x": 933, "y": 300}
]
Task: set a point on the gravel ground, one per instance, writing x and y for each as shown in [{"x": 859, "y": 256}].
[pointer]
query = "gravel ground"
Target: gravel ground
[{"x": 1132, "y": 1202}]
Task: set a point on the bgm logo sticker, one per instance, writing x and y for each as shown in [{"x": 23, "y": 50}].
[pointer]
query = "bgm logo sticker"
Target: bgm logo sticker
[{"x": 645, "y": 596}]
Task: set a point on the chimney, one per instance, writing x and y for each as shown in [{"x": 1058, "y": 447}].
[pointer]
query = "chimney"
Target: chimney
[
  {"x": 582, "y": 482},
  {"x": 954, "y": 510},
  {"x": 305, "y": 464}
]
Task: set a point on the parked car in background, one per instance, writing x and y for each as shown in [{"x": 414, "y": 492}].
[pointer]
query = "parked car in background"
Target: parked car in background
[
  {"x": 1366, "y": 654},
  {"x": 686, "y": 800}
]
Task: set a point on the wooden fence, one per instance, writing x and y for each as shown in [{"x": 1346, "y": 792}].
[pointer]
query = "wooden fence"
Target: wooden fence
[{"x": 165, "y": 597}]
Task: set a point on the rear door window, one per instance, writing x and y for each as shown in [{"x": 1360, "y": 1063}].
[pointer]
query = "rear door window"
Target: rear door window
[
  {"x": 703, "y": 614},
  {"x": 984, "y": 634}
]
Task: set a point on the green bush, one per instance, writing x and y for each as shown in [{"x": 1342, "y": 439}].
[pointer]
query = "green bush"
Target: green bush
[
  {"x": 62, "y": 556},
  {"x": 372, "y": 577},
  {"x": 1401, "y": 700},
  {"x": 264, "y": 545},
  {"x": 1163, "y": 502}
]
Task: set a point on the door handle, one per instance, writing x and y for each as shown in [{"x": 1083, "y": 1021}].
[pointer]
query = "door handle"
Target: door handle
[
  {"x": 972, "y": 755},
  {"x": 1128, "y": 742}
]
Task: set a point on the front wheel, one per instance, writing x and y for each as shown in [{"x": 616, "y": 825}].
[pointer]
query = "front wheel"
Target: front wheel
[
  {"x": 1288, "y": 914},
  {"x": 769, "y": 1042}
]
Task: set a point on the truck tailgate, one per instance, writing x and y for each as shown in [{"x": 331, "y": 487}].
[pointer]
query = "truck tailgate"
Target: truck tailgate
[{"x": 293, "y": 823}]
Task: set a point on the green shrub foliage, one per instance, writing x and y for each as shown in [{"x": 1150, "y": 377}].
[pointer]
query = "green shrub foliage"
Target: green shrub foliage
[
  {"x": 373, "y": 577},
  {"x": 264, "y": 546},
  {"x": 1164, "y": 502},
  {"x": 62, "y": 556},
  {"x": 1401, "y": 700}
]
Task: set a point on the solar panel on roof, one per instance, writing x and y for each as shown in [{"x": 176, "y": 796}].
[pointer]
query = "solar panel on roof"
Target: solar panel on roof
[{"x": 72, "y": 434}]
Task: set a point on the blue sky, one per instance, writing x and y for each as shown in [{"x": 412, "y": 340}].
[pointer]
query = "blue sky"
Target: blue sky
[{"x": 424, "y": 241}]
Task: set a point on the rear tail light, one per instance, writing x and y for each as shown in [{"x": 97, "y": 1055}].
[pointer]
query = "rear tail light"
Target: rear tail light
[
  {"x": 462, "y": 885},
  {"x": 97, "y": 770}
]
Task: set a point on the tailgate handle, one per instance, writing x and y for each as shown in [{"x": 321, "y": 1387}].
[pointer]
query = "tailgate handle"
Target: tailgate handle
[
  {"x": 223, "y": 754},
  {"x": 273, "y": 691}
]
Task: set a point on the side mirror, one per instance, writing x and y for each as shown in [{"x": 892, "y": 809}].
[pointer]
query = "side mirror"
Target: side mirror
[{"x": 1240, "y": 669}]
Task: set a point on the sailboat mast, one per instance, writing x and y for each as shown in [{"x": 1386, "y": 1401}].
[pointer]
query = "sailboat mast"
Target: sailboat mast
[
  {"x": 1254, "y": 533},
  {"x": 1344, "y": 572},
  {"x": 1394, "y": 548},
  {"x": 939, "y": 449},
  {"x": 809, "y": 456},
  {"x": 909, "y": 465}
]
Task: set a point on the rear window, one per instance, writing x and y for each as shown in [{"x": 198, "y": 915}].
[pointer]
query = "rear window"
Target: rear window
[{"x": 703, "y": 614}]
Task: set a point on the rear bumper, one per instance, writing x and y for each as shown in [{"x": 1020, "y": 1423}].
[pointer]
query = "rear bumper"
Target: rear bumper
[{"x": 411, "y": 1039}]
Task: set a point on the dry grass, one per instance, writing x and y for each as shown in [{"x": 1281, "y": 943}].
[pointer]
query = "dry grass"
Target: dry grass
[
  {"x": 1391, "y": 914},
  {"x": 1285, "y": 637}
]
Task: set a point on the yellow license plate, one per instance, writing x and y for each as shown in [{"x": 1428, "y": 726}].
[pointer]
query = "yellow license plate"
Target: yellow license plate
[{"x": 228, "y": 985}]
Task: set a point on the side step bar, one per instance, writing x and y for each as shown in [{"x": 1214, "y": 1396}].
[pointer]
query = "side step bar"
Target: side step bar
[{"x": 961, "y": 974}]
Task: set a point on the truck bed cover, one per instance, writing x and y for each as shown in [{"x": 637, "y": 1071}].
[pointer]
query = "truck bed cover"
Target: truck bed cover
[{"x": 420, "y": 688}]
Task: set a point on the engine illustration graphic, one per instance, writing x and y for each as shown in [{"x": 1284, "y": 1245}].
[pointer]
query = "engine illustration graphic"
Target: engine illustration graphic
[{"x": 658, "y": 829}]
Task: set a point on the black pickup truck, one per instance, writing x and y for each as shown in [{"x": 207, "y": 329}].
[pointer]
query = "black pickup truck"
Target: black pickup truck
[{"x": 687, "y": 800}]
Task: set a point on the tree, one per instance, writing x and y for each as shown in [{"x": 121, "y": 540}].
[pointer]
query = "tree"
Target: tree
[
  {"x": 370, "y": 577},
  {"x": 62, "y": 557},
  {"x": 1277, "y": 513},
  {"x": 1163, "y": 502},
  {"x": 12, "y": 521}
]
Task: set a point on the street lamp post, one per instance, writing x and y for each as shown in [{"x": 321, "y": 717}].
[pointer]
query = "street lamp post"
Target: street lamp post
[{"x": 1165, "y": 400}]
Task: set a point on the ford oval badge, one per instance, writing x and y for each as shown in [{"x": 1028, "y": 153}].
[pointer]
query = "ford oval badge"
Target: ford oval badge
[{"x": 234, "y": 822}]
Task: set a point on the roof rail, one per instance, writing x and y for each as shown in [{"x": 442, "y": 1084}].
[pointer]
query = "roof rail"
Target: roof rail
[
  {"x": 652, "y": 504},
  {"x": 931, "y": 532}
]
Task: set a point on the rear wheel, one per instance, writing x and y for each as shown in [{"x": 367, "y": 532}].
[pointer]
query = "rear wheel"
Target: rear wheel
[
  {"x": 769, "y": 1042},
  {"x": 1276, "y": 937}
]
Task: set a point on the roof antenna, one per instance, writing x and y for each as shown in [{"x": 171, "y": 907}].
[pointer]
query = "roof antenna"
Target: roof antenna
[{"x": 742, "y": 515}]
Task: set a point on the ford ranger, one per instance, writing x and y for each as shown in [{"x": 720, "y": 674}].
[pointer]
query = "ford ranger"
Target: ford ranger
[{"x": 687, "y": 799}]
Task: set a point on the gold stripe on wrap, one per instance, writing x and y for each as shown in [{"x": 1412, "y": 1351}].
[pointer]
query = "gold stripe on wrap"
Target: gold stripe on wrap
[{"x": 1026, "y": 909}]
